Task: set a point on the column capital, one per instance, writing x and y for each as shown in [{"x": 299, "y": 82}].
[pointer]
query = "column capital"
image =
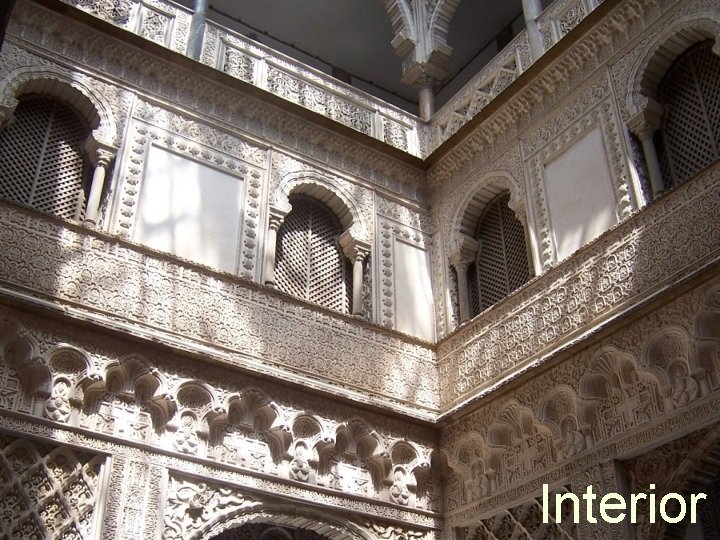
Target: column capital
[
  {"x": 646, "y": 122},
  {"x": 100, "y": 154},
  {"x": 463, "y": 253},
  {"x": 276, "y": 218},
  {"x": 354, "y": 249}
]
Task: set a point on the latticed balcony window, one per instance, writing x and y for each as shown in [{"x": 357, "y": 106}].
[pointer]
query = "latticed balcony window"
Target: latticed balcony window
[
  {"x": 501, "y": 265},
  {"x": 41, "y": 157},
  {"x": 689, "y": 138},
  {"x": 310, "y": 263}
]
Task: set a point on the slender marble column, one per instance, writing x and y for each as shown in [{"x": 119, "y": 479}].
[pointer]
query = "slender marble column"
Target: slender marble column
[
  {"x": 197, "y": 29},
  {"x": 92, "y": 208},
  {"x": 644, "y": 125},
  {"x": 531, "y": 12},
  {"x": 271, "y": 249}
]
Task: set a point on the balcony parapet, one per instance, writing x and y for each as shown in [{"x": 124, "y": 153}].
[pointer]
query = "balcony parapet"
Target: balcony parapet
[
  {"x": 120, "y": 286},
  {"x": 671, "y": 241},
  {"x": 513, "y": 60},
  {"x": 168, "y": 24}
]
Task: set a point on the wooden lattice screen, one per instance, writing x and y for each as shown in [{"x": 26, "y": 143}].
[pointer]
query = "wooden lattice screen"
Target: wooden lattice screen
[
  {"x": 501, "y": 265},
  {"x": 689, "y": 139},
  {"x": 310, "y": 263},
  {"x": 41, "y": 159}
]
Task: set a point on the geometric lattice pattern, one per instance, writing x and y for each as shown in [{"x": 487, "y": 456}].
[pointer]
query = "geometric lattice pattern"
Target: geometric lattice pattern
[
  {"x": 310, "y": 263},
  {"x": 501, "y": 265},
  {"x": 46, "y": 492},
  {"x": 41, "y": 160},
  {"x": 689, "y": 138}
]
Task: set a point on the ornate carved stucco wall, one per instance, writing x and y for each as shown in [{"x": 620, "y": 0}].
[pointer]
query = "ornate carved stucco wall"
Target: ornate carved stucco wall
[{"x": 195, "y": 401}]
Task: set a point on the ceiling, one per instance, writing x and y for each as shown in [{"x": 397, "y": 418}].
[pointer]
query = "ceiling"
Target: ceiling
[{"x": 355, "y": 35}]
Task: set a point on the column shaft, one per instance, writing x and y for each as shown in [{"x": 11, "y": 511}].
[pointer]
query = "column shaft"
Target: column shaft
[
  {"x": 463, "y": 296},
  {"x": 92, "y": 209},
  {"x": 357, "y": 292},
  {"x": 197, "y": 29},
  {"x": 270, "y": 250},
  {"x": 531, "y": 12}
]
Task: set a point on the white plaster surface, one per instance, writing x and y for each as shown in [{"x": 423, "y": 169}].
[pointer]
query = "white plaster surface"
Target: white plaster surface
[
  {"x": 579, "y": 191},
  {"x": 413, "y": 291},
  {"x": 190, "y": 209}
]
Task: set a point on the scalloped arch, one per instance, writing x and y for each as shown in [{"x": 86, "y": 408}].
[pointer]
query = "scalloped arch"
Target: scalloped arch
[
  {"x": 75, "y": 89},
  {"x": 330, "y": 193},
  {"x": 271, "y": 515},
  {"x": 477, "y": 196},
  {"x": 662, "y": 51}
]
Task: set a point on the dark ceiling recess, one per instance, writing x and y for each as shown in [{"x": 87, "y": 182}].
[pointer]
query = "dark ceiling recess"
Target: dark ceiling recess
[{"x": 350, "y": 40}]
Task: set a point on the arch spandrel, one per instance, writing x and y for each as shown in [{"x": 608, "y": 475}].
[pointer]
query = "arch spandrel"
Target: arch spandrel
[{"x": 76, "y": 90}]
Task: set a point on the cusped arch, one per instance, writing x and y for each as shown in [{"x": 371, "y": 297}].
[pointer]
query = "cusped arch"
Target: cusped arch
[
  {"x": 401, "y": 18},
  {"x": 475, "y": 198},
  {"x": 19, "y": 351},
  {"x": 332, "y": 194},
  {"x": 76, "y": 90},
  {"x": 440, "y": 21},
  {"x": 268, "y": 514},
  {"x": 662, "y": 51}
]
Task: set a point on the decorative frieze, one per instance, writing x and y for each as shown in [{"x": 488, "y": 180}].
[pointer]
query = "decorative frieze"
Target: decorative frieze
[
  {"x": 672, "y": 238},
  {"x": 602, "y": 400}
]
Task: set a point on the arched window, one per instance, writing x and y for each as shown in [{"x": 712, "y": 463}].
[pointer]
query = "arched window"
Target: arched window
[
  {"x": 689, "y": 137},
  {"x": 42, "y": 164},
  {"x": 501, "y": 265},
  {"x": 310, "y": 263}
]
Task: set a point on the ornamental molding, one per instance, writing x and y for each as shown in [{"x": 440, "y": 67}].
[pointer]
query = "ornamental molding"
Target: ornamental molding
[
  {"x": 389, "y": 231},
  {"x": 345, "y": 199},
  {"x": 549, "y": 88},
  {"x": 635, "y": 260},
  {"x": 77, "y": 45},
  {"x": 601, "y": 116},
  {"x": 692, "y": 24},
  {"x": 85, "y": 95},
  {"x": 222, "y": 419},
  {"x": 608, "y": 402},
  {"x": 200, "y": 143},
  {"x": 142, "y": 473}
]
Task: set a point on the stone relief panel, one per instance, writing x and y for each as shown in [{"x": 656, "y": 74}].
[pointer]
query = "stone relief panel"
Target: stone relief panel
[
  {"x": 48, "y": 491},
  {"x": 556, "y": 135},
  {"x": 227, "y": 419},
  {"x": 601, "y": 403},
  {"x": 198, "y": 509},
  {"x": 130, "y": 282},
  {"x": 239, "y": 158},
  {"x": 680, "y": 466},
  {"x": 161, "y": 22},
  {"x": 521, "y": 521},
  {"x": 632, "y": 260}
]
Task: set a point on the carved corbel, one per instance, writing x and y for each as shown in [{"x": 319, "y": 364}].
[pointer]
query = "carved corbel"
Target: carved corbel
[
  {"x": 643, "y": 125},
  {"x": 461, "y": 257}
]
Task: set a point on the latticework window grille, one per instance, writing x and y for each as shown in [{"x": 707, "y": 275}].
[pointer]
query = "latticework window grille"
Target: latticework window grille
[
  {"x": 689, "y": 138},
  {"x": 41, "y": 158},
  {"x": 310, "y": 263},
  {"x": 501, "y": 265}
]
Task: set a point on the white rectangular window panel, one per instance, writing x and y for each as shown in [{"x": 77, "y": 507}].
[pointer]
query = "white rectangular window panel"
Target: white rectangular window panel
[
  {"x": 579, "y": 191},
  {"x": 414, "y": 313},
  {"x": 190, "y": 209}
]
